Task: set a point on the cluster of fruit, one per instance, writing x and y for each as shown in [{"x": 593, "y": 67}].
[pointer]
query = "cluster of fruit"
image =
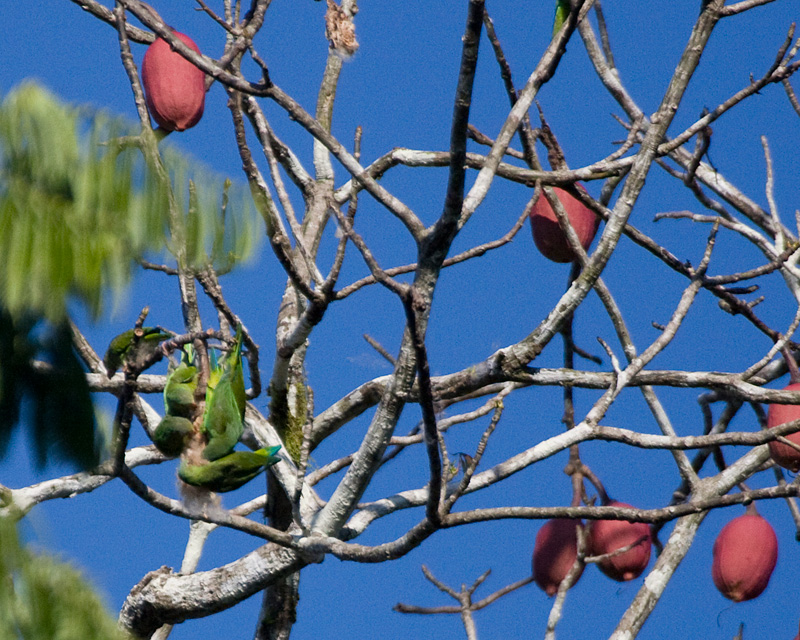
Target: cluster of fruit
[
  {"x": 745, "y": 552},
  {"x": 624, "y": 545}
]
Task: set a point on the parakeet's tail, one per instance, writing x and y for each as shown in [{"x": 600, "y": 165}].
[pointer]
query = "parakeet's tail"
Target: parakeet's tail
[
  {"x": 269, "y": 454},
  {"x": 562, "y": 13}
]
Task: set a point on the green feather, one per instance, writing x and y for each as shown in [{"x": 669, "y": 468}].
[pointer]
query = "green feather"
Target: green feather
[
  {"x": 222, "y": 423},
  {"x": 172, "y": 434},
  {"x": 229, "y": 472},
  {"x": 126, "y": 349}
]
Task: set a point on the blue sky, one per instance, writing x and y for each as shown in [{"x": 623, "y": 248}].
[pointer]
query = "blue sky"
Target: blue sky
[{"x": 399, "y": 88}]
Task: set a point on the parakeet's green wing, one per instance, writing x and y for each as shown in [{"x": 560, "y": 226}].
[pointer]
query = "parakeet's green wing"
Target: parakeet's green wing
[
  {"x": 213, "y": 376},
  {"x": 222, "y": 422},
  {"x": 187, "y": 355},
  {"x": 233, "y": 360},
  {"x": 225, "y": 403}
]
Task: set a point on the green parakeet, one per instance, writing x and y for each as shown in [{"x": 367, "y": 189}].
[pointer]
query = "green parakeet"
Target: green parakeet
[
  {"x": 562, "y": 13},
  {"x": 172, "y": 434},
  {"x": 229, "y": 472},
  {"x": 126, "y": 349},
  {"x": 179, "y": 389},
  {"x": 225, "y": 404}
]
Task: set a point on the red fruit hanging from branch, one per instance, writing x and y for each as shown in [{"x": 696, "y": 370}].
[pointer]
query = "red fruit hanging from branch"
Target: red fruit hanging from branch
[
  {"x": 550, "y": 239},
  {"x": 554, "y": 553},
  {"x": 786, "y": 456},
  {"x": 174, "y": 88},
  {"x": 745, "y": 553},
  {"x": 608, "y": 536}
]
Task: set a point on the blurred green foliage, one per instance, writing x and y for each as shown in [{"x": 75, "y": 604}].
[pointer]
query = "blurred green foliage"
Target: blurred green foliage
[
  {"x": 79, "y": 203},
  {"x": 42, "y": 598}
]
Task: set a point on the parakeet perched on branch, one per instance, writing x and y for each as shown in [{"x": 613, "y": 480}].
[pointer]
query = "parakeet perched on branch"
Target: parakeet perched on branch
[
  {"x": 172, "y": 434},
  {"x": 228, "y": 472},
  {"x": 134, "y": 346},
  {"x": 225, "y": 404},
  {"x": 180, "y": 387}
]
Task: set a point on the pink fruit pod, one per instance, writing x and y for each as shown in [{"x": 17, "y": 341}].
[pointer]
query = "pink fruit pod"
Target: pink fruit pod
[
  {"x": 554, "y": 553},
  {"x": 547, "y": 234},
  {"x": 607, "y": 536},
  {"x": 778, "y": 414},
  {"x": 745, "y": 553},
  {"x": 174, "y": 88}
]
